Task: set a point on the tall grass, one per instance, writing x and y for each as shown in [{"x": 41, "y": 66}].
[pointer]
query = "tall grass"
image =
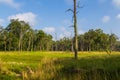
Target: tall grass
[
  {"x": 47, "y": 70},
  {"x": 59, "y": 66},
  {"x": 5, "y": 73}
]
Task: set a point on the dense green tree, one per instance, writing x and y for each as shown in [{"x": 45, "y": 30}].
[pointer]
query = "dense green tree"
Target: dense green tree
[
  {"x": 3, "y": 41},
  {"x": 17, "y": 29},
  {"x": 18, "y": 35},
  {"x": 64, "y": 44},
  {"x": 97, "y": 40},
  {"x": 28, "y": 40},
  {"x": 43, "y": 41}
]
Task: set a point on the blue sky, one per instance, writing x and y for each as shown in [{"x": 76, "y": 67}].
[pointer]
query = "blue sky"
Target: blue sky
[{"x": 50, "y": 15}]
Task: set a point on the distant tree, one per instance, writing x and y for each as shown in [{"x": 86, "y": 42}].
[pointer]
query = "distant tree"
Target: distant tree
[
  {"x": 97, "y": 40},
  {"x": 117, "y": 46},
  {"x": 112, "y": 41},
  {"x": 81, "y": 42},
  {"x": 5, "y": 35},
  {"x": 48, "y": 42},
  {"x": 43, "y": 41},
  {"x": 64, "y": 44},
  {"x": 28, "y": 40},
  {"x": 18, "y": 28},
  {"x": 3, "y": 39}
]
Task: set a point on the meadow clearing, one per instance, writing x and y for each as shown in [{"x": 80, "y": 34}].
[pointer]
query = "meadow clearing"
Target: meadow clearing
[{"x": 59, "y": 66}]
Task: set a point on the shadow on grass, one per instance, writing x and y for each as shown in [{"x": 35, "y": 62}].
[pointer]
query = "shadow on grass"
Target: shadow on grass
[{"x": 91, "y": 68}]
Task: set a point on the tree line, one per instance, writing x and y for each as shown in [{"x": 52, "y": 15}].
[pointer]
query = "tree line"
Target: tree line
[
  {"x": 19, "y": 36},
  {"x": 93, "y": 40}
]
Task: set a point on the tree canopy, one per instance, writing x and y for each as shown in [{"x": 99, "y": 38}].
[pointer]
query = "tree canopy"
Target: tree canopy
[{"x": 19, "y": 36}]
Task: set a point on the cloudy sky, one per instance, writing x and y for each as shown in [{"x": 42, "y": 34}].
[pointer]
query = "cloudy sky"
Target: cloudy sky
[{"x": 51, "y": 15}]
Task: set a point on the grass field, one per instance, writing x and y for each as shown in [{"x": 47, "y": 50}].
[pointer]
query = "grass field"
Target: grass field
[{"x": 59, "y": 66}]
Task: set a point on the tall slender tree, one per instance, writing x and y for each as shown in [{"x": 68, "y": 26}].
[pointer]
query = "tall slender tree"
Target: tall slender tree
[
  {"x": 75, "y": 29},
  {"x": 74, "y": 11}
]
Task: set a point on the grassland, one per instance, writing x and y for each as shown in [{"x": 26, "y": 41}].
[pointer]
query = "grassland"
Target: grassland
[{"x": 59, "y": 66}]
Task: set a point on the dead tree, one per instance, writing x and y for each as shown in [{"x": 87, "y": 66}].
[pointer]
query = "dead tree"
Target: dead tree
[
  {"x": 74, "y": 11},
  {"x": 75, "y": 30}
]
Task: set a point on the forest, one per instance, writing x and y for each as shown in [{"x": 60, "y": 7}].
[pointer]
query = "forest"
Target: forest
[
  {"x": 28, "y": 53},
  {"x": 19, "y": 36}
]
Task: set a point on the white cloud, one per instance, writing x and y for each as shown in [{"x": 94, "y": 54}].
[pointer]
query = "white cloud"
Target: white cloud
[
  {"x": 27, "y": 17},
  {"x": 65, "y": 33},
  {"x": 118, "y": 16},
  {"x": 10, "y": 3},
  {"x": 1, "y": 21},
  {"x": 81, "y": 32},
  {"x": 49, "y": 30},
  {"x": 116, "y": 3},
  {"x": 106, "y": 19}
]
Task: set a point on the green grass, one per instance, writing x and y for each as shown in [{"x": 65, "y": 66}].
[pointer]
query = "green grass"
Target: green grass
[{"x": 59, "y": 65}]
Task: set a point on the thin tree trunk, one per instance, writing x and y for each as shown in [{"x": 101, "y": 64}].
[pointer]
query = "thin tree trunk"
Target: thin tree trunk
[
  {"x": 32, "y": 47},
  {"x": 9, "y": 45},
  {"x": 29, "y": 44},
  {"x": 5, "y": 46},
  {"x": 19, "y": 44},
  {"x": 75, "y": 31}
]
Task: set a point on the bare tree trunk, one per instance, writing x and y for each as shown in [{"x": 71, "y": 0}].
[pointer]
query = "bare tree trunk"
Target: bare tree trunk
[
  {"x": 32, "y": 46},
  {"x": 5, "y": 46},
  {"x": 20, "y": 40},
  {"x": 9, "y": 45},
  {"x": 19, "y": 43},
  {"x": 29, "y": 44},
  {"x": 75, "y": 31}
]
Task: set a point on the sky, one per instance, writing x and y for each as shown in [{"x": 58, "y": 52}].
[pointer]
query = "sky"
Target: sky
[{"x": 51, "y": 16}]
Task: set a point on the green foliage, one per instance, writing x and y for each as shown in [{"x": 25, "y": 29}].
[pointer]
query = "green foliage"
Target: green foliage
[
  {"x": 97, "y": 40},
  {"x": 19, "y": 36}
]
